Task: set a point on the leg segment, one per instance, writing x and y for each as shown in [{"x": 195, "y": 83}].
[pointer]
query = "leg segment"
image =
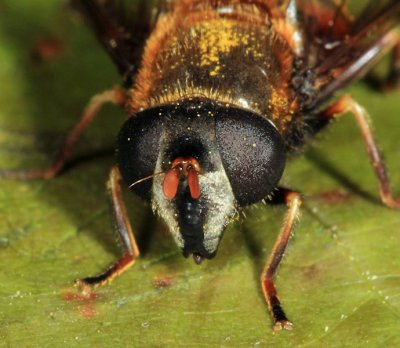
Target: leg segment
[
  {"x": 347, "y": 104},
  {"x": 293, "y": 201},
  {"x": 115, "y": 95},
  {"x": 124, "y": 229}
]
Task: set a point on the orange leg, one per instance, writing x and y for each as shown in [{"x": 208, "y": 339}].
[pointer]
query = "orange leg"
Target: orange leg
[
  {"x": 293, "y": 201},
  {"x": 124, "y": 230},
  {"x": 115, "y": 95},
  {"x": 347, "y": 104}
]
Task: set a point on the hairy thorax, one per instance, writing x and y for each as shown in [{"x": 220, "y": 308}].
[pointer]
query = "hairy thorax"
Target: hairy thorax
[{"x": 232, "y": 54}]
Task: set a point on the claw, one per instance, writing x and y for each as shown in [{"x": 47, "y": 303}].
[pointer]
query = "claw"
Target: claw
[
  {"x": 84, "y": 287},
  {"x": 283, "y": 324}
]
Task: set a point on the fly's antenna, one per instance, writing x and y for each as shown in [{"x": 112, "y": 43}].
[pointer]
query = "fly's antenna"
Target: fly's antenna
[
  {"x": 146, "y": 178},
  {"x": 187, "y": 167}
]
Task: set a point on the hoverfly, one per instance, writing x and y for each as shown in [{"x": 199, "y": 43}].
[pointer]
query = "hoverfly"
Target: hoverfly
[{"x": 218, "y": 92}]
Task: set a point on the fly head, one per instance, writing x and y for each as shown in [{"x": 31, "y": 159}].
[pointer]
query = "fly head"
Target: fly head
[{"x": 202, "y": 161}]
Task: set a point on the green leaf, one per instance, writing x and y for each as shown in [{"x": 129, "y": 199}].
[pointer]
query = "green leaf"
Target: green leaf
[{"x": 339, "y": 282}]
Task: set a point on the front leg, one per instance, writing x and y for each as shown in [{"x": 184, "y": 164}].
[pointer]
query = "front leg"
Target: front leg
[
  {"x": 114, "y": 95},
  {"x": 347, "y": 104},
  {"x": 293, "y": 202},
  {"x": 124, "y": 230}
]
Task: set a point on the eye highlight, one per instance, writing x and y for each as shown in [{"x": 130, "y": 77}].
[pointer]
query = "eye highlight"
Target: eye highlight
[{"x": 252, "y": 152}]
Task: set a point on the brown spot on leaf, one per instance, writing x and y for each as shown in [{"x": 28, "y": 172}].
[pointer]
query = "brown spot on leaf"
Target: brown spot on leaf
[
  {"x": 86, "y": 307},
  {"x": 311, "y": 272},
  {"x": 87, "y": 311},
  {"x": 48, "y": 49},
  {"x": 336, "y": 196},
  {"x": 163, "y": 282},
  {"x": 76, "y": 297}
]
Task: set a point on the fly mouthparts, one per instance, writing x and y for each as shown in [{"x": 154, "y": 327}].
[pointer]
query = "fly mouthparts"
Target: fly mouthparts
[{"x": 198, "y": 259}]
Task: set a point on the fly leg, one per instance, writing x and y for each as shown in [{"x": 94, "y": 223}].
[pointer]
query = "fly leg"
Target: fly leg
[
  {"x": 123, "y": 227},
  {"x": 115, "y": 95},
  {"x": 347, "y": 104},
  {"x": 293, "y": 202}
]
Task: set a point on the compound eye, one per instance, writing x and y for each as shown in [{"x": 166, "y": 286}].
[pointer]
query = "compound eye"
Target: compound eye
[
  {"x": 252, "y": 152},
  {"x": 138, "y": 148}
]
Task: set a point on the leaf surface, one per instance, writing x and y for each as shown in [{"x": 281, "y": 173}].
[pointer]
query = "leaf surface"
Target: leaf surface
[{"x": 339, "y": 282}]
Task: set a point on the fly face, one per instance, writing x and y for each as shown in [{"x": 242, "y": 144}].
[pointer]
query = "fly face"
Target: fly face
[
  {"x": 201, "y": 152},
  {"x": 219, "y": 92}
]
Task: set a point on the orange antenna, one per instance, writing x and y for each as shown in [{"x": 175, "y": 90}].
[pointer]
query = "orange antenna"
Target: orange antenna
[
  {"x": 188, "y": 167},
  {"x": 171, "y": 182}
]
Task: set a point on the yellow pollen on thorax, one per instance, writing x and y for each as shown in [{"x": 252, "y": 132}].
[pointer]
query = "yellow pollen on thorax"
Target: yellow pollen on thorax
[{"x": 218, "y": 37}]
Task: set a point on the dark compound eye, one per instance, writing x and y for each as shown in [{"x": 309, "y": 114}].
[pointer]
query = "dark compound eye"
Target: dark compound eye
[
  {"x": 251, "y": 149},
  {"x": 252, "y": 152},
  {"x": 138, "y": 148}
]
